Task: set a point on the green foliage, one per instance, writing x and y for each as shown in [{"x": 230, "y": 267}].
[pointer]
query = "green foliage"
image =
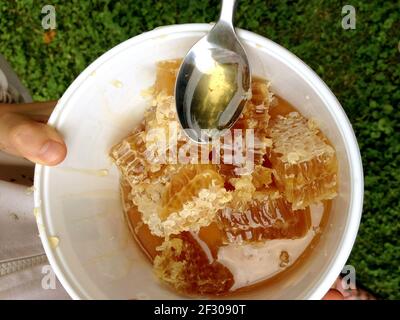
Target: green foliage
[{"x": 361, "y": 67}]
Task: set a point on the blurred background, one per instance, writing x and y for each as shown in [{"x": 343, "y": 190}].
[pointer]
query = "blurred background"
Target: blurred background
[{"x": 361, "y": 66}]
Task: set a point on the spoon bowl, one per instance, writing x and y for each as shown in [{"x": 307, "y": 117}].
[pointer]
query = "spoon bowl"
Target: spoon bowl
[{"x": 213, "y": 82}]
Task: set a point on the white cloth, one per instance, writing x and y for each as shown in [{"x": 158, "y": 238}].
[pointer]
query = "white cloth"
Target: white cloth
[
  {"x": 31, "y": 283},
  {"x": 18, "y": 231},
  {"x": 24, "y": 270}
]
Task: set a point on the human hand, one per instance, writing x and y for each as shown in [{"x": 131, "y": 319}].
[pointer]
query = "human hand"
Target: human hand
[
  {"x": 333, "y": 294},
  {"x": 24, "y": 133}
]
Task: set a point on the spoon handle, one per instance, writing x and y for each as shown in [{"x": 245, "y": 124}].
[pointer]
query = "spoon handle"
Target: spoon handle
[{"x": 227, "y": 11}]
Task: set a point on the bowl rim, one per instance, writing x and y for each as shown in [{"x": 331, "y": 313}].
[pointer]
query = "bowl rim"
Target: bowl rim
[{"x": 349, "y": 233}]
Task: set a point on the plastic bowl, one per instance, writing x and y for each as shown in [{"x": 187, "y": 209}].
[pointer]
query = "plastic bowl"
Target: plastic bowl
[{"x": 96, "y": 257}]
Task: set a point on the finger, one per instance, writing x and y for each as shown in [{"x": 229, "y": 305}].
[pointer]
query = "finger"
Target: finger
[
  {"x": 35, "y": 141},
  {"x": 333, "y": 294}
]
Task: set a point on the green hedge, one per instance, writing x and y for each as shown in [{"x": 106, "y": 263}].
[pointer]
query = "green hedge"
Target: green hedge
[{"x": 361, "y": 67}]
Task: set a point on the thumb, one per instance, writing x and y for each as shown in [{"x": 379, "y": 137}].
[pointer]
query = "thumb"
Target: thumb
[{"x": 35, "y": 141}]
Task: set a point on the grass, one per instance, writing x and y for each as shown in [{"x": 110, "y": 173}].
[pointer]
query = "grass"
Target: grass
[{"x": 361, "y": 67}]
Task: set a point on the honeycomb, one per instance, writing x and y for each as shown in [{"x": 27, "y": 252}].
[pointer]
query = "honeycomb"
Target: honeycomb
[
  {"x": 189, "y": 209},
  {"x": 184, "y": 265},
  {"x": 129, "y": 156},
  {"x": 147, "y": 241},
  {"x": 266, "y": 217},
  {"x": 305, "y": 165},
  {"x": 182, "y": 213},
  {"x": 185, "y": 185}
]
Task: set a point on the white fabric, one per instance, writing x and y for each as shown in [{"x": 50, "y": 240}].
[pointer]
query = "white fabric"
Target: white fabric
[
  {"x": 18, "y": 242},
  {"x": 18, "y": 231},
  {"x": 31, "y": 283}
]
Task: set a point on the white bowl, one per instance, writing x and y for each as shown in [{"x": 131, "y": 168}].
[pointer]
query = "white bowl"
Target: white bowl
[{"x": 96, "y": 257}]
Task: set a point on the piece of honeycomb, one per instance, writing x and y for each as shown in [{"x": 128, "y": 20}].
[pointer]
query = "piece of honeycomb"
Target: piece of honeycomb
[
  {"x": 267, "y": 216},
  {"x": 188, "y": 201},
  {"x": 147, "y": 241},
  {"x": 187, "y": 184},
  {"x": 184, "y": 265},
  {"x": 305, "y": 165},
  {"x": 129, "y": 156}
]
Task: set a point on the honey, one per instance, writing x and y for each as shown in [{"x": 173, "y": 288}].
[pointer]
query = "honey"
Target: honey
[{"x": 210, "y": 229}]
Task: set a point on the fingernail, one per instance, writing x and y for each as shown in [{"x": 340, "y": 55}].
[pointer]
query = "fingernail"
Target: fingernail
[{"x": 51, "y": 152}]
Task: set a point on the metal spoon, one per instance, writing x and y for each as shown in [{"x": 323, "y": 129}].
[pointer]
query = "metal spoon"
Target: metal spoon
[{"x": 213, "y": 82}]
